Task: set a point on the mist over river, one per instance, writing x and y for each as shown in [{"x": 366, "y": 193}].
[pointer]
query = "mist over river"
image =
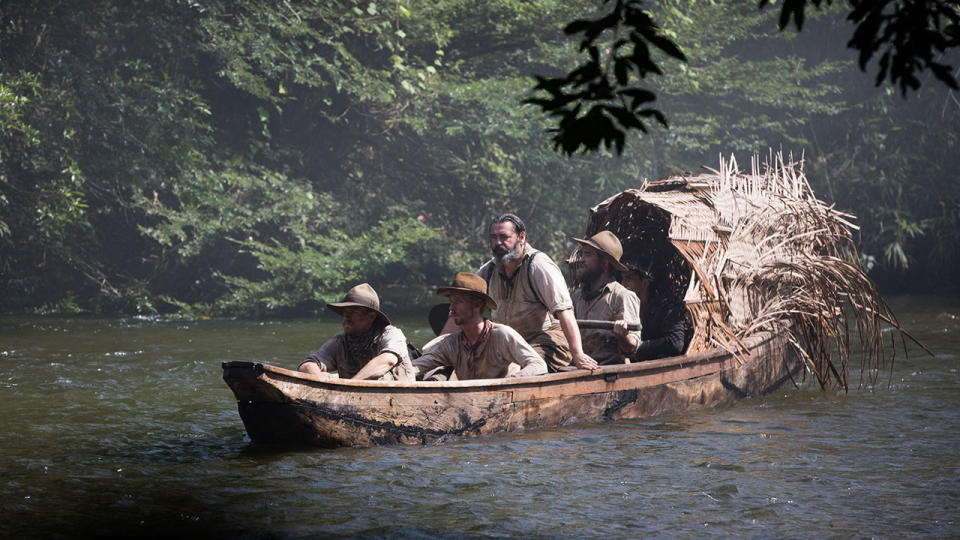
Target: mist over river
[{"x": 123, "y": 427}]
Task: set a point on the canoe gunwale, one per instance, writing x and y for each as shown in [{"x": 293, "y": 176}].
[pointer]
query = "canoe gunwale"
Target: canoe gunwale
[{"x": 609, "y": 373}]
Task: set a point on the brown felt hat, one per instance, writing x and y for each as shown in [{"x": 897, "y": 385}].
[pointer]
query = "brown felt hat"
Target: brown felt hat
[
  {"x": 466, "y": 282},
  {"x": 362, "y": 295},
  {"x": 609, "y": 244}
]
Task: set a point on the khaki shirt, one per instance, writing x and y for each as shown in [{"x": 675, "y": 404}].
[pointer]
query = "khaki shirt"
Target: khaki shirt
[
  {"x": 615, "y": 302},
  {"x": 517, "y": 300},
  {"x": 504, "y": 347},
  {"x": 332, "y": 356}
]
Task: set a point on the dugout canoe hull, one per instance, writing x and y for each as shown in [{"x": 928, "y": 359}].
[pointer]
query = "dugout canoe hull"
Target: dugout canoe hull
[{"x": 283, "y": 407}]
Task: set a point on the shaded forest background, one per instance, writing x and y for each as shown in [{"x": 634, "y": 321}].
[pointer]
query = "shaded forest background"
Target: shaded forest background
[{"x": 215, "y": 158}]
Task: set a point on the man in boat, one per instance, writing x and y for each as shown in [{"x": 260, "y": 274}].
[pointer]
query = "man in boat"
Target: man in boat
[
  {"x": 479, "y": 349},
  {"x": 369, "y": 347},
  {"x": 667, "y": 329},
  {"x": 532, "y": 296},
  {"x": 601, "y": 298}
]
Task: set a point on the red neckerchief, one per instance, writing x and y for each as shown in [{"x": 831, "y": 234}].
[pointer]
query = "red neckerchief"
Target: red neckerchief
[{"x": 474, "y": 348}]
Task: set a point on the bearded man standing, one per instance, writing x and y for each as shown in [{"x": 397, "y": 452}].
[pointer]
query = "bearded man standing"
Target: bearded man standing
[
  {"x": 480, "y": 349},
  {"x": 600, "y": 297},
  {"x": 532, "y": 297},
  {"x": 369, "y": 347}
]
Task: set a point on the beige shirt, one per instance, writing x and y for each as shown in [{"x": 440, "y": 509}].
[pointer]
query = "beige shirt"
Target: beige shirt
[
  {"x": 332, "y": 356},
  {"x": 528, "y": 301},
  {"x": 615, "y": 302},
  {"x": 504, "y": 347}
]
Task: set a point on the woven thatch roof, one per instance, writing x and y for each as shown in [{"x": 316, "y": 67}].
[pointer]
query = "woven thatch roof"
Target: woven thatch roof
[{"x": 755, "y": 252}]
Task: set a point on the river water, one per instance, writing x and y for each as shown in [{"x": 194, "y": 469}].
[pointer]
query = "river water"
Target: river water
[{"x": 123, "y": 427}]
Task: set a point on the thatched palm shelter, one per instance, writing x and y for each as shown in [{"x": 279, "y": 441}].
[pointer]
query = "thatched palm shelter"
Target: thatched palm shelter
[{"x": 755, "y": 252}]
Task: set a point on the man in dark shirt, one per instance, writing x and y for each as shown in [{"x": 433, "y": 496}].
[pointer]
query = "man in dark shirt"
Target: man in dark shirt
[{"x": 666, "y": 329}]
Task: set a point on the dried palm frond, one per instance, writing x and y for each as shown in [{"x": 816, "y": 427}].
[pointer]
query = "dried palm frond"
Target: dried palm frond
[{"x": 756, "y": 253}]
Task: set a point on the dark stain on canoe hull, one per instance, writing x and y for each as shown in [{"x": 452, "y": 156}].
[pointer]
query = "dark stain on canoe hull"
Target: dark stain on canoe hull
[
  {"x": 732, "y": 387},
  {"x": 622, "y": 399},
  {"x": 294, "y": 424}
]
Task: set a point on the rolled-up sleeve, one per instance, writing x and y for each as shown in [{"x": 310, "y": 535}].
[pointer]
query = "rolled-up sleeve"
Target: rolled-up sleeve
[
  {"x": 518, "y": 351},
  {"x": 550, "y": 285},
  {"x": 326, "y": 356},
  {"x": 394, "y": 341},
  {"x": 630, "y": 312},
  {"x": 439, "y": 353}
]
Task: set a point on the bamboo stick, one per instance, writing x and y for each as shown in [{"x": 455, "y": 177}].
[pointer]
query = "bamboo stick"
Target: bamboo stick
[{"x": 589, "y": 324}]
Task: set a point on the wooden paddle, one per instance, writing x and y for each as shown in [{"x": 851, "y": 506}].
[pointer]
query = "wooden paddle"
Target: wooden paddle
[
  {"x": 438, "y": 316},
  {"x": 603, "y": 325}
]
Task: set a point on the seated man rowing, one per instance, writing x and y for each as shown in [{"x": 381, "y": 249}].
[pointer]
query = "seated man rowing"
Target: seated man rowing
[
  {"x": 369, "y": 347},
  {"x": 600, "y": 298},
  {"x": 479, "y": 349}
]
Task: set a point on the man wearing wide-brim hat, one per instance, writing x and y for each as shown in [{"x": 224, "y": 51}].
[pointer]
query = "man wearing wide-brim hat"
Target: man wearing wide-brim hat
[
  {"x": 369, "y": 347},
  {"x": 600, "y": 297},
  {"x": 479, "y": 348}
]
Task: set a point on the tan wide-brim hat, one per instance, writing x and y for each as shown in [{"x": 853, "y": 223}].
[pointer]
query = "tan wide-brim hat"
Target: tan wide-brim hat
[
  {"x": 609, "y": 244},
  {"x": 362, "y": 295},
  {"x": 465, "y": 282}
]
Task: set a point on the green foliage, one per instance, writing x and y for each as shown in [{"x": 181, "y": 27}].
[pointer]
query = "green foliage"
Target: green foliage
[
  {"x": 744, "y": 87},
  {"x": 600, "y": 100},
  {"x": 309, "y": 274},
  {"x": 271, "y": 244},
  {"x": 16, "y": 93},
  {"x": 618, "y": 47},
  {"x": 217, "y": 158},
  {"x": 913, "y": 36},
  {"x": 100, "y": 113},
  {"x": 894, "y": 166}
]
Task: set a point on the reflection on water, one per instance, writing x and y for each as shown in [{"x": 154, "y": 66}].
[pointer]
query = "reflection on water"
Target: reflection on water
[{"x": 123, "y": 427}]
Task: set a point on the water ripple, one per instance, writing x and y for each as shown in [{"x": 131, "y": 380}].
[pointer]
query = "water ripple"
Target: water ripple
[{"x": 124, "y": 428}]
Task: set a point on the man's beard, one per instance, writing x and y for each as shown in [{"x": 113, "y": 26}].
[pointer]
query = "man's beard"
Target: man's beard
[
  {"x": 503, "y": 256},
  {"x": 587, "y": 276}
]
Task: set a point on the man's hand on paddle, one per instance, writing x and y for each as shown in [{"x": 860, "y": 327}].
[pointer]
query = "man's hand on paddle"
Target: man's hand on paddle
[
  {"x": 628, "y": 343},
  {"x": 620, "y": 329}
]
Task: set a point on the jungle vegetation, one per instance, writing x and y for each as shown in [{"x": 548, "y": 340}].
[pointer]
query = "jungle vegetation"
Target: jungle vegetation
[{"x": 215, "y": 158}]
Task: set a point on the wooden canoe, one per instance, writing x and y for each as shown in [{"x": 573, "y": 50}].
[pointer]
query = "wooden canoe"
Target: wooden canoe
[{"x": 283, "y": 407}]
